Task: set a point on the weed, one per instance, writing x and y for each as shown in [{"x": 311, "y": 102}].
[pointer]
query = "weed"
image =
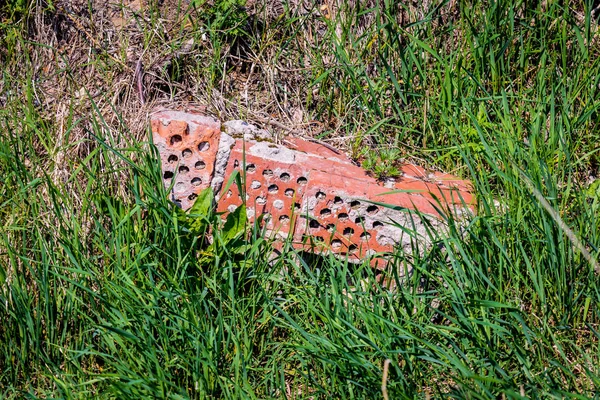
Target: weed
[
  {"x": 227, "y": 16},
  {"x": 383, "y": 164}
]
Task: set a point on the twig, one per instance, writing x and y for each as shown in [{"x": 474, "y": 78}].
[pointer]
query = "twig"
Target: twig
[
  {"x": 386, "y": 366},
  {"x": 277, "y": 124},
  {"x": 139, "y": 77},
  {"x": 322, "y": 143}
]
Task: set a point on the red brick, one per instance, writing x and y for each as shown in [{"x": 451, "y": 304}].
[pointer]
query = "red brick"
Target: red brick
[
  {"x": 187, "y": 148},
  {"x": 310, "y": 193}
]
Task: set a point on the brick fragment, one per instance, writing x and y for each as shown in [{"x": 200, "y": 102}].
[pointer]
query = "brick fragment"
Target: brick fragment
[
  {"x": 187, "y": 145},
  {"x": 304, "y": 191}
]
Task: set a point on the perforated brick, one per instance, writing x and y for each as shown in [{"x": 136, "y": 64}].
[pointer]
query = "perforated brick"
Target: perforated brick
[
  {"x": 304, "y": 191},
  {"x": 187, "y": 145}
]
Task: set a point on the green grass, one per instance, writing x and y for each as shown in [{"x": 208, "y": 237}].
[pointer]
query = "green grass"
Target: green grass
[{"x": 107, "y": 291}]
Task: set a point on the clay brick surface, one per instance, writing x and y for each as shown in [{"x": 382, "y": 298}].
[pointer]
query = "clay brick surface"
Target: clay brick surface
[
  {"x": 306, "y": 191},
  {"x": 187, "y": 145}
]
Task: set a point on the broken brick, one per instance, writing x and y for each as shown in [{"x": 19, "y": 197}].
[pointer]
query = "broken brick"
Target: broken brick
[{"x": 304, "y": 191}]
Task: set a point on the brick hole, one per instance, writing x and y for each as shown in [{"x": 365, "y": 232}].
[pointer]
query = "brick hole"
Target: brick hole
[
  {"x": 186, "y": 153},
  {"x": 319, "y": 239},
  {"x": 273, "y": 188},
  {"x": 348, "y": 231},
  {"x": 314, "y": 224},
  {"x": 229, "y": 193},
  {"x": 250, "y": 168},
  {"x": 365, "y": 236},
  {"x": 284, "y": 219},
  {"x": 326, "y": 212},
  {"x": 200, "y": 165},
  {"x": 175, "y": 139},
  {"x": 336, "y": 244},
  {"x": 172, "y": 159},
  {"x": 377, "y": 224},
  {"x": 192, "y": 196},
  {"x": 255, "y": 185},
  {"x": 320, "y": 195},
  {"x": 337, "y": 200},
  {"x": 302, "y": 181},
  {"x": 372, "y": 210},
  {"x": 178, "y": 203},
  {"x": 183, "y": 169},
  {"x": 384, "y": 240},
  {"x": 285, "y": 177},
  {"x": 196, "y": 181},
  {"x": 355, "y": 204},
  {"x": 330, "y": 227},
  {"x": 343, "y": 216},
  {"x": 267, "y": 173},
  {"x": 261, "y": 200},
  {"x": 236, "y": 164},
  {"x": 289, "y": 192},
  {"x": 231, "y": 208},
  {"x": 179, "y": 187},
  {"x": 168, "y": 175},
  {"x": 297, "y": 206},
  {"x": 359, "y": 220},
  {"x": 203, "y": 146},
  {"x": 352, "y": 248},
  {"x": 278, "y": 204}
]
